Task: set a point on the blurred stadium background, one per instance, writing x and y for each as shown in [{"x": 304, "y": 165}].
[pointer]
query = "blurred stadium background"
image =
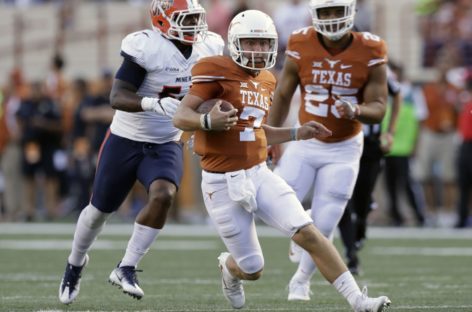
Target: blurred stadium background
[
  {"x": 88, "y": 33},
  {"x": 69, "y": 50}
]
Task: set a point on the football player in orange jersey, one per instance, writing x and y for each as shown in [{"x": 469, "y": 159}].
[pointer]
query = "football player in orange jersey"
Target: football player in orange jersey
[
  {"x": 237, "y": 185},
  {"x": 343, "y": 82}
]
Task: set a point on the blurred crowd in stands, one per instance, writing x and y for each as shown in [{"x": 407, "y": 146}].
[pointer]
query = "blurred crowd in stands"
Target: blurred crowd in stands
[
  {"x": 446, "y": 25},
  {"x": 51, "y": 135},
  {"x": 51, "y": 130}
]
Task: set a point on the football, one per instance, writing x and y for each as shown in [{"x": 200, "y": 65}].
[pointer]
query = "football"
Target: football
[{"x": 206, "y": 106}]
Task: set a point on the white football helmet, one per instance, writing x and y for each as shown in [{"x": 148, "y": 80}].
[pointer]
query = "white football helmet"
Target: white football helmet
[
  {"x": 252, "y": 24},
  {"x": 168, "y": 17},
  {"x": 334, "y": 28}
]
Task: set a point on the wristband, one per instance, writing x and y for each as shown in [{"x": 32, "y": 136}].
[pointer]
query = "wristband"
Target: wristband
[
  {"x": 202, "y": 122},
  {"x": 294, "y": 134},
  {"x": 207, "y": 120}
]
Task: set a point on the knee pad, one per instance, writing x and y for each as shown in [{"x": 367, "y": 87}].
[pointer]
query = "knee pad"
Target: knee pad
[
  {"x": 252, "y": 264},
  {"x": 227, "y": 226},
  {"x": 327, "y": 212},
  {"x": 92, "y": 217}
]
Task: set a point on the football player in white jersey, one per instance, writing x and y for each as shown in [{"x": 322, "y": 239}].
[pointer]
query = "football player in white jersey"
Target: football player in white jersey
[{"x": 142, "y": 143}]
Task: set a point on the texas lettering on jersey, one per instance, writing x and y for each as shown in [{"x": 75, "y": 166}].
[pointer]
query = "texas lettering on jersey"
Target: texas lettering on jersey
[
  {"x": 255, "y": 98},
  {"x": 245, "y": 144},
  {"x": 332, "y": 77},
  {"x": 324, "y": 76}
]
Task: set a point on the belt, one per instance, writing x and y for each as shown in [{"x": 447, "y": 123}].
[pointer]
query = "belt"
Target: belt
[{"x": 249, "y": 170}]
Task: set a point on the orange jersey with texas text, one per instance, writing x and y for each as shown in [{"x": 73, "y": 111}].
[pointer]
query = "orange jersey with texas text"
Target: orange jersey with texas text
[
  {"x": 245, "y": 144},
  {"x": 322, "y": 76}
]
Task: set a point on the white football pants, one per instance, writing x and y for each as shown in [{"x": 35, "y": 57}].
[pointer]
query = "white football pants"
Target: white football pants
[{"x": 276, "y": 205}]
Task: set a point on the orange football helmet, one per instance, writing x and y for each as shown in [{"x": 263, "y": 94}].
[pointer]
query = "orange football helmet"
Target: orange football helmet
[{"x": 183, "y": 20}]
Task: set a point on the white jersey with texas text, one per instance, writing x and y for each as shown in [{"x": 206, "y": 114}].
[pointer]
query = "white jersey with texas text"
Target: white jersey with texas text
[{"x": 168, "y": 74}]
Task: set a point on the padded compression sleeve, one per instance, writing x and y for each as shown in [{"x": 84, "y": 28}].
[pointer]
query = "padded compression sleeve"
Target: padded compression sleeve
[{"x": 130, "y": 71}]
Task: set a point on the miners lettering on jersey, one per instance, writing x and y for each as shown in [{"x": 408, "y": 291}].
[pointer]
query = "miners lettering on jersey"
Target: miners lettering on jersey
[
  {"x": 323, "y": 77},
  {"x": 183, "y": 79},
  {"x": 220, "y": 77}
]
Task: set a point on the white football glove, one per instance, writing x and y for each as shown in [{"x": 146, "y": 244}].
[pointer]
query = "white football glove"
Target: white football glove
[
  {"x": 352, "y": 110},
  {"x": 166, "y": 106}
]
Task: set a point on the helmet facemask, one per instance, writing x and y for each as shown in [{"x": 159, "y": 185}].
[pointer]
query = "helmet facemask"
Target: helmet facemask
[
  {"x": 247, "y": 58},
  {"x": 252, "y": 24},
  {"x": 188, "y": 33},
  {"x": 173, "y": 22},
  {"x": 333, "y": 28}
]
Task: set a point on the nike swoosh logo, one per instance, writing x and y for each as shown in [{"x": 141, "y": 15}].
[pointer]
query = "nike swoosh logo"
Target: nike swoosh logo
[
  {"x": 346, "y": 66},
  {"x": 233, "y": 176}
]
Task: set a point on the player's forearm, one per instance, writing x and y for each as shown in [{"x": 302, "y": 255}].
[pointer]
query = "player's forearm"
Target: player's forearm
[
  {"x": 187, "y": 119},
  {"x": 125, "y": 101},
  {"x": 372, "y": 112},
  {"x": 279, "y": 135}
]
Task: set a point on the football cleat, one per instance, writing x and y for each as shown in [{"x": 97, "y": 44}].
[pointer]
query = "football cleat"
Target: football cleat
[
  {"x": 125, "y": 278},
  {"x": 299, "y": 291},
  {"x": 70, "y": 283},
  {"x": 366, "y": 304},
  {"x": 232, "y": 287}
]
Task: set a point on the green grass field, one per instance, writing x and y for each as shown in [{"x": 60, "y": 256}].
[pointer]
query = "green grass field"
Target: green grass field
[{"x": 420, "y": 270}]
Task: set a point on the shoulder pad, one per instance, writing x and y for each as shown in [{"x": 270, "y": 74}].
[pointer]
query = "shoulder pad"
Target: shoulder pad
[
  {"x": 268, "y": 76},
  {"x": 210, "y": 69},
  {"x": 301, "y": 35},
  {"x": 376, "y": 46},
  {"x": 212, "y": 44},
  {"x": 298, "y": 37},
  {"x": 144, "y": 48}
]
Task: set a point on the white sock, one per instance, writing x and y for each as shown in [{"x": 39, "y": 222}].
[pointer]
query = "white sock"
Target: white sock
[
  {"x": 347, "y": 286},
  {"x": 89, "y": 225},
  {"x": 306, "y": 268},
  {"x": 139, "y": 244}
]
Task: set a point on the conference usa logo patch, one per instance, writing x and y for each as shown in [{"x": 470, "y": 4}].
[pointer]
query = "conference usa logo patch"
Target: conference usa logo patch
[{"x": 167, "y": 4}]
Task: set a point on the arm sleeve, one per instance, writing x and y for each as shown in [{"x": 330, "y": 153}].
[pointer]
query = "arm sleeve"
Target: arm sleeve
[{"x": 131, "y": 72}]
